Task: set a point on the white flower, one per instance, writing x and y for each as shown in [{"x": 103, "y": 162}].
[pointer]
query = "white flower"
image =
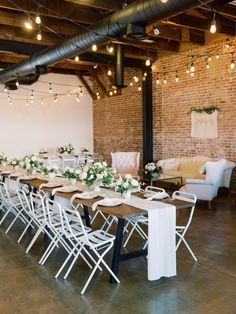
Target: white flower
[
  {"x": 77, "y": 171},
  {"x": 128, "y": 177},
  {"x": 83, "y": 175},
  {"x": 100, "y": 176},
  {"x": 27, "y": 166},
  {"x": 134, "y": 182},
  {"x": 91, "y": 177},
  {"x": 104, "y": 163},
  {"x": 126, "y": 184}
]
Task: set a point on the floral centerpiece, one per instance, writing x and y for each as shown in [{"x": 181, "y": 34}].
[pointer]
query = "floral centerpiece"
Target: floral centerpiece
[
  {"x": 97, "y": 174},
  {"x": 31, "y": 163},
  {"x": 49, "y": 170},
  {"x": 3, "y": 159},
  {"x": 15, "y": 163},
  {"x": 153, "y": 169},
  {"x": 126, "y": 185},
  {"x": 84, "y": 150},
  {"x": 72, "y": 174},
  {"x": 68, "y": 149}
]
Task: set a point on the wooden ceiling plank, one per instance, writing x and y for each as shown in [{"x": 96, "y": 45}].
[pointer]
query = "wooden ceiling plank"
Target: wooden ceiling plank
[
  {"x": 82, "y": 79},
  {"x": 110, "y": 6},
  {"x": 98, "y": 81}
]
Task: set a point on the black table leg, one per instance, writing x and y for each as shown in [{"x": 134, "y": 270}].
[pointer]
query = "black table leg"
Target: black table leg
[
  {"x": 86, "y": 216},
  {"x": 117, "y": 248}
]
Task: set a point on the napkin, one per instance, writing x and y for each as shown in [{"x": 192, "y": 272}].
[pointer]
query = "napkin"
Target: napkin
[
  {"x": 158, "y": 196},
  {"x": 101, "y": 202}
]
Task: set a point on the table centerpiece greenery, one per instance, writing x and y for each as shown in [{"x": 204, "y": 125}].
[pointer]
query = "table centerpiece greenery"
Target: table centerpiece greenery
[
  {"x": 67, "y": 149},
  {"x": 125, "y": 185}
]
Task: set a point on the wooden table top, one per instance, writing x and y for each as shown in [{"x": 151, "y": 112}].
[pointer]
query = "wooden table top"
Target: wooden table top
[{"x": 120, "y": 211}]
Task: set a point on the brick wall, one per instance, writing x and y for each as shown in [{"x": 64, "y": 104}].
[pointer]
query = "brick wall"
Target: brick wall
[
  {"x": 172, "y": 102},
  {"x": 118, "y": 120}
]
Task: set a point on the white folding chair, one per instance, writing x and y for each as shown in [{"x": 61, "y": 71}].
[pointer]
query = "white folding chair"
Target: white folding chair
[
  {"x": 94, "y": 241},
  {"x": 141, "y": 219},
  {"x": 10, "y": 204},
  {"x": 181, "y": 230}
]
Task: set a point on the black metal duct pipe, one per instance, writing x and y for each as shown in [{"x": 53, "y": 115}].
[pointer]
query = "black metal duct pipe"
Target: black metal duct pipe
[
  {"x": 141, "y": 11},
  {"x": 119, "y": 66}
]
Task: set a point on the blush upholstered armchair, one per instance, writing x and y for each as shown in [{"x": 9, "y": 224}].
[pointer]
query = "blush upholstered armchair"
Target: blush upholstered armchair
[
  {"x": 126, "y": 162},
  {"x": 207, "y": 189}
]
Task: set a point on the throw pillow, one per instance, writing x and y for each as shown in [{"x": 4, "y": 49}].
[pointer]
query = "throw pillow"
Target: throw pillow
[
  {"x": 202, "y": 169},
  {"x": 172, "y": 165}
]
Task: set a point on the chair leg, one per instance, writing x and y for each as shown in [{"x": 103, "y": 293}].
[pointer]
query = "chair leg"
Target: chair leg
[{"x": 209, "y": 205}]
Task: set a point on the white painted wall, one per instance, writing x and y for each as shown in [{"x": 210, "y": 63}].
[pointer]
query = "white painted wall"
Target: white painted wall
[{"x": 28, "y": 129}]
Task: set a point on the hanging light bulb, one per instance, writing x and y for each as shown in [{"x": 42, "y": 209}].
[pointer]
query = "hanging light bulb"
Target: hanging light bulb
[
  {"x": 37, "y": 19},
  {"x": 131, "y": 84},
  {"x": 95, "y": 66},
  {"x": 50, "y": 88},
  {"x": 5, "y": 89},
  {"x": 165, "y": 81},
  {"x": 227, "y": 43},
  {"x": 98, "y": 97},
  {"x": 81, "y": 92},
  {"x": 157, "y": 81},
  {"x": 68, "y": 94},
  {"x": 109, "y": 73},
  {"x": 145, "y": 74},
  {"x": 139, "y": 88},
  {"x": 232, "y": 64},
  {"x": 17, "y": 83},
  {"x": 42, "y": 102},
  {"x": 28, "y": 24},
  {"x": 76, "y": 58},
  {"x": 10, "y": 102},
  {"x": 177, "y": 77},
  {"x": 192, "y": 69},
  {"x": 209, "y": 58},
  {"x": 217, "y": 56},
  {"x": 207, "y": 66},
  {"x": 192, "y": 74},
  {"x": 109, "y": 48},
  {"x": 77, "y": 98},
  {"x": 39, "y": 36},
  {"x": 94, "y": 47},
  {"x": 27, "y": 102},
  {"x": 32, "y": 101},
  {"x": 97, "y": 93},
  {"x": 8, "y": 98},
  {"x": 187, "y": 71},
  {"x": 32, "y": 95},
  {"x": 136, "y": 79},
  {"x": 115, "y": 91},
  {"x": 164, "y": 1},
  {"x": 111, "y": 93},
  {"x": 148, "y": 62},
  {"x": 213, "y": 24},
  {"x": 55, "y": 98}
]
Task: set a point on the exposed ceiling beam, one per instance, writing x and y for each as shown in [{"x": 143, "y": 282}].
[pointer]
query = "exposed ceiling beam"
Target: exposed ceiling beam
[
  {"x": 55, "y": 8},
  {"x": 110, "y": 6},
  {"x": 86, "y": 85}
]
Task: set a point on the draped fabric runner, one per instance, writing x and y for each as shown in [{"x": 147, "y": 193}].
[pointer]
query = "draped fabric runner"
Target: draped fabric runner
[
  {"x": 161, "y": 236},
  {"x": 204, "y": 125}
]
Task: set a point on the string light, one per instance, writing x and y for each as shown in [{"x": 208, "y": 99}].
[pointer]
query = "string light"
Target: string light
[
  {"x": 131, "y": 83},
  {"x": 192, "y": 69},
  {"x": 192, "y": 74},
  {"x": 165, "y": 81},
  {"x": 157, "y": 80},
  {"x": 164, "y": 1},
  {"x": 139, "y": 88},
  {"x": 42, "y": 102},
  {"x": 98, "y": 97},
  {"x": 39, "y": 36},
  {"x": 109, "y": 73},
  {"x": 208, "y": 65},
  {"x": 177, "y": 77},
  {"x": 27, "y": 102},
  {"x": 109, "y": 48},
  {"x": 217, "y": 56},
  {"x": 145, "y": 74},
  {"x": 5, "y": 89},
  {"x": 187, "y": 71},
  {"x": 95, "y": 66},
  {"x": 68, "y": 94},
  {"x": 148, "y": 62},
  {"x": 94, "y": 47},
  {"x": 97, "y": 93},
  {"x": 111, "y": 93},
  {"x": 28, "y": 24},
  {"x": 50, "y": 88},
  {"x": 209, "y": 58},
  {"x": 37, "y": 19},
  {"x": 115, "y": 91},
  {"x": 32, "y": 95},
  {"x": 77, "y": 98},
  {"x": 17, "y": 83},
  {"x": 76, "y": 58},
  {"x": 55, "y": 98},
  {"x": 10, "y": 102},
  {"x": 213, "y": 24},
  {"x": 32, "y": 101},
  {"x": 232, "y": 65},
  {"x": 81, "y": 92},
  {"x": 136, "y": 79},
  {"x": 227, "y": 43}
]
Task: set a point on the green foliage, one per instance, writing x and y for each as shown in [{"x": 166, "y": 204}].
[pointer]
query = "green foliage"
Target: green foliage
[{"x": 208, "y": 110}]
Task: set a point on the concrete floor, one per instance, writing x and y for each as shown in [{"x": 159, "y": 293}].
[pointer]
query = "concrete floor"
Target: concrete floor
[{"x": 208, "y": 286}]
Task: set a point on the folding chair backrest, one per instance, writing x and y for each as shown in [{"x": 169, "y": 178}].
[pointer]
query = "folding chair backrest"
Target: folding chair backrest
[
  {"x": 24, "y": 201},
  {"x": 37, "y": 203},
  {"x": 4, "y": 194},
  {"x": 53, "y": 209}
]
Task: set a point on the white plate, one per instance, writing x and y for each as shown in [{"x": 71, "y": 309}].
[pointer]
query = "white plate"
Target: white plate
[
  {"x": 87, "y": 195},
  {"x": 156, "y": 195},
  {"x": 52, "y": 185},
  {"x": 27, "y": 178},
  {"x": 68, "y": 189},
  {"x": 110, "y": 202},
  {"x": 6, "y": 172}
]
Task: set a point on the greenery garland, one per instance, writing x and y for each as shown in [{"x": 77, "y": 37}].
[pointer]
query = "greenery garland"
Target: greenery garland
[{"x": 208, "y": 110}]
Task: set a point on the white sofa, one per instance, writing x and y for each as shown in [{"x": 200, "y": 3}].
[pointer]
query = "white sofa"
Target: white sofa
[{"x": 194, "y": 168}]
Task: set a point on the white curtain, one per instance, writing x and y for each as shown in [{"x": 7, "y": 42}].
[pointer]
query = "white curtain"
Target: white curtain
[{"x": 204, "y": 125}]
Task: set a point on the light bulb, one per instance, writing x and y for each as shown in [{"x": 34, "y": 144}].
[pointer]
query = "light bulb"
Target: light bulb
[
  {"x": 139, "y": 88},
  {"x": 97, "y": 93},
  {"x": 157, "y": 81},
  {"x": 94, "y": 47},
  {"x": 55, "y": 98},
  {"x": 42, "y": 102},
  {"x": 28, "y": 24},
  {"x": 81, "y": 93},
  {"x": 232, "y": 65},
  {"x": 136, "y": 79},
  {"x": 10, "y": 103},
  {"x": 145, "y": 74},
  {"x": 109, "y": 48},
  {"x": 50, "y": 88},
  {"x": 227, "y": 43},
  {"x": 27, "y": 103},
  {"x": 164, "y": 1},
  {"x": 17, "y": 83},
  {"x": 187, "y": 71},
  {"x": 111, "y": 93},
  {"x": 207, "y": 66},
  {"x": 177, "y": 79},
  {"x": 213, "y": 25},
  {"x": 109, "y": 73},
  {"x": 98, "y": 97},
  {"x": 148, "y": 62},
  {"x": 192, "y": 69},
  {"x": 77, "y": 98},
  {"x": 115, "y": 91},
  {"x": 95, "y": 66},
  {"x": 32, "y": 101},
  {"x": 217, "y": 56},
  {"x": 76, "y": 58},
  {"x": 165, "y": 81},
  {"x": 5, "y": 89},
  {"x": 32, "y": 95},
  {"x": 209, "y": 59},
  {"x": 38, "y": 19},
  {"x": 68, "y": 94},
  {"x": 39, "y": 36},
  {"x": 131, "y": 83},
  {"x": 192, "y": 74}
]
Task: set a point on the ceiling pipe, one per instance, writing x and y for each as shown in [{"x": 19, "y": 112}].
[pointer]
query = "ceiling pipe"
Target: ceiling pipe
[
  {"x": 119, "y": 66},
  {"x": 141, "y": 11}
]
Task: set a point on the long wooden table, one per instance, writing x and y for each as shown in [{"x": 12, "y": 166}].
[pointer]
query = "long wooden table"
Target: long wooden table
[{"x": 122, "y": 212}]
